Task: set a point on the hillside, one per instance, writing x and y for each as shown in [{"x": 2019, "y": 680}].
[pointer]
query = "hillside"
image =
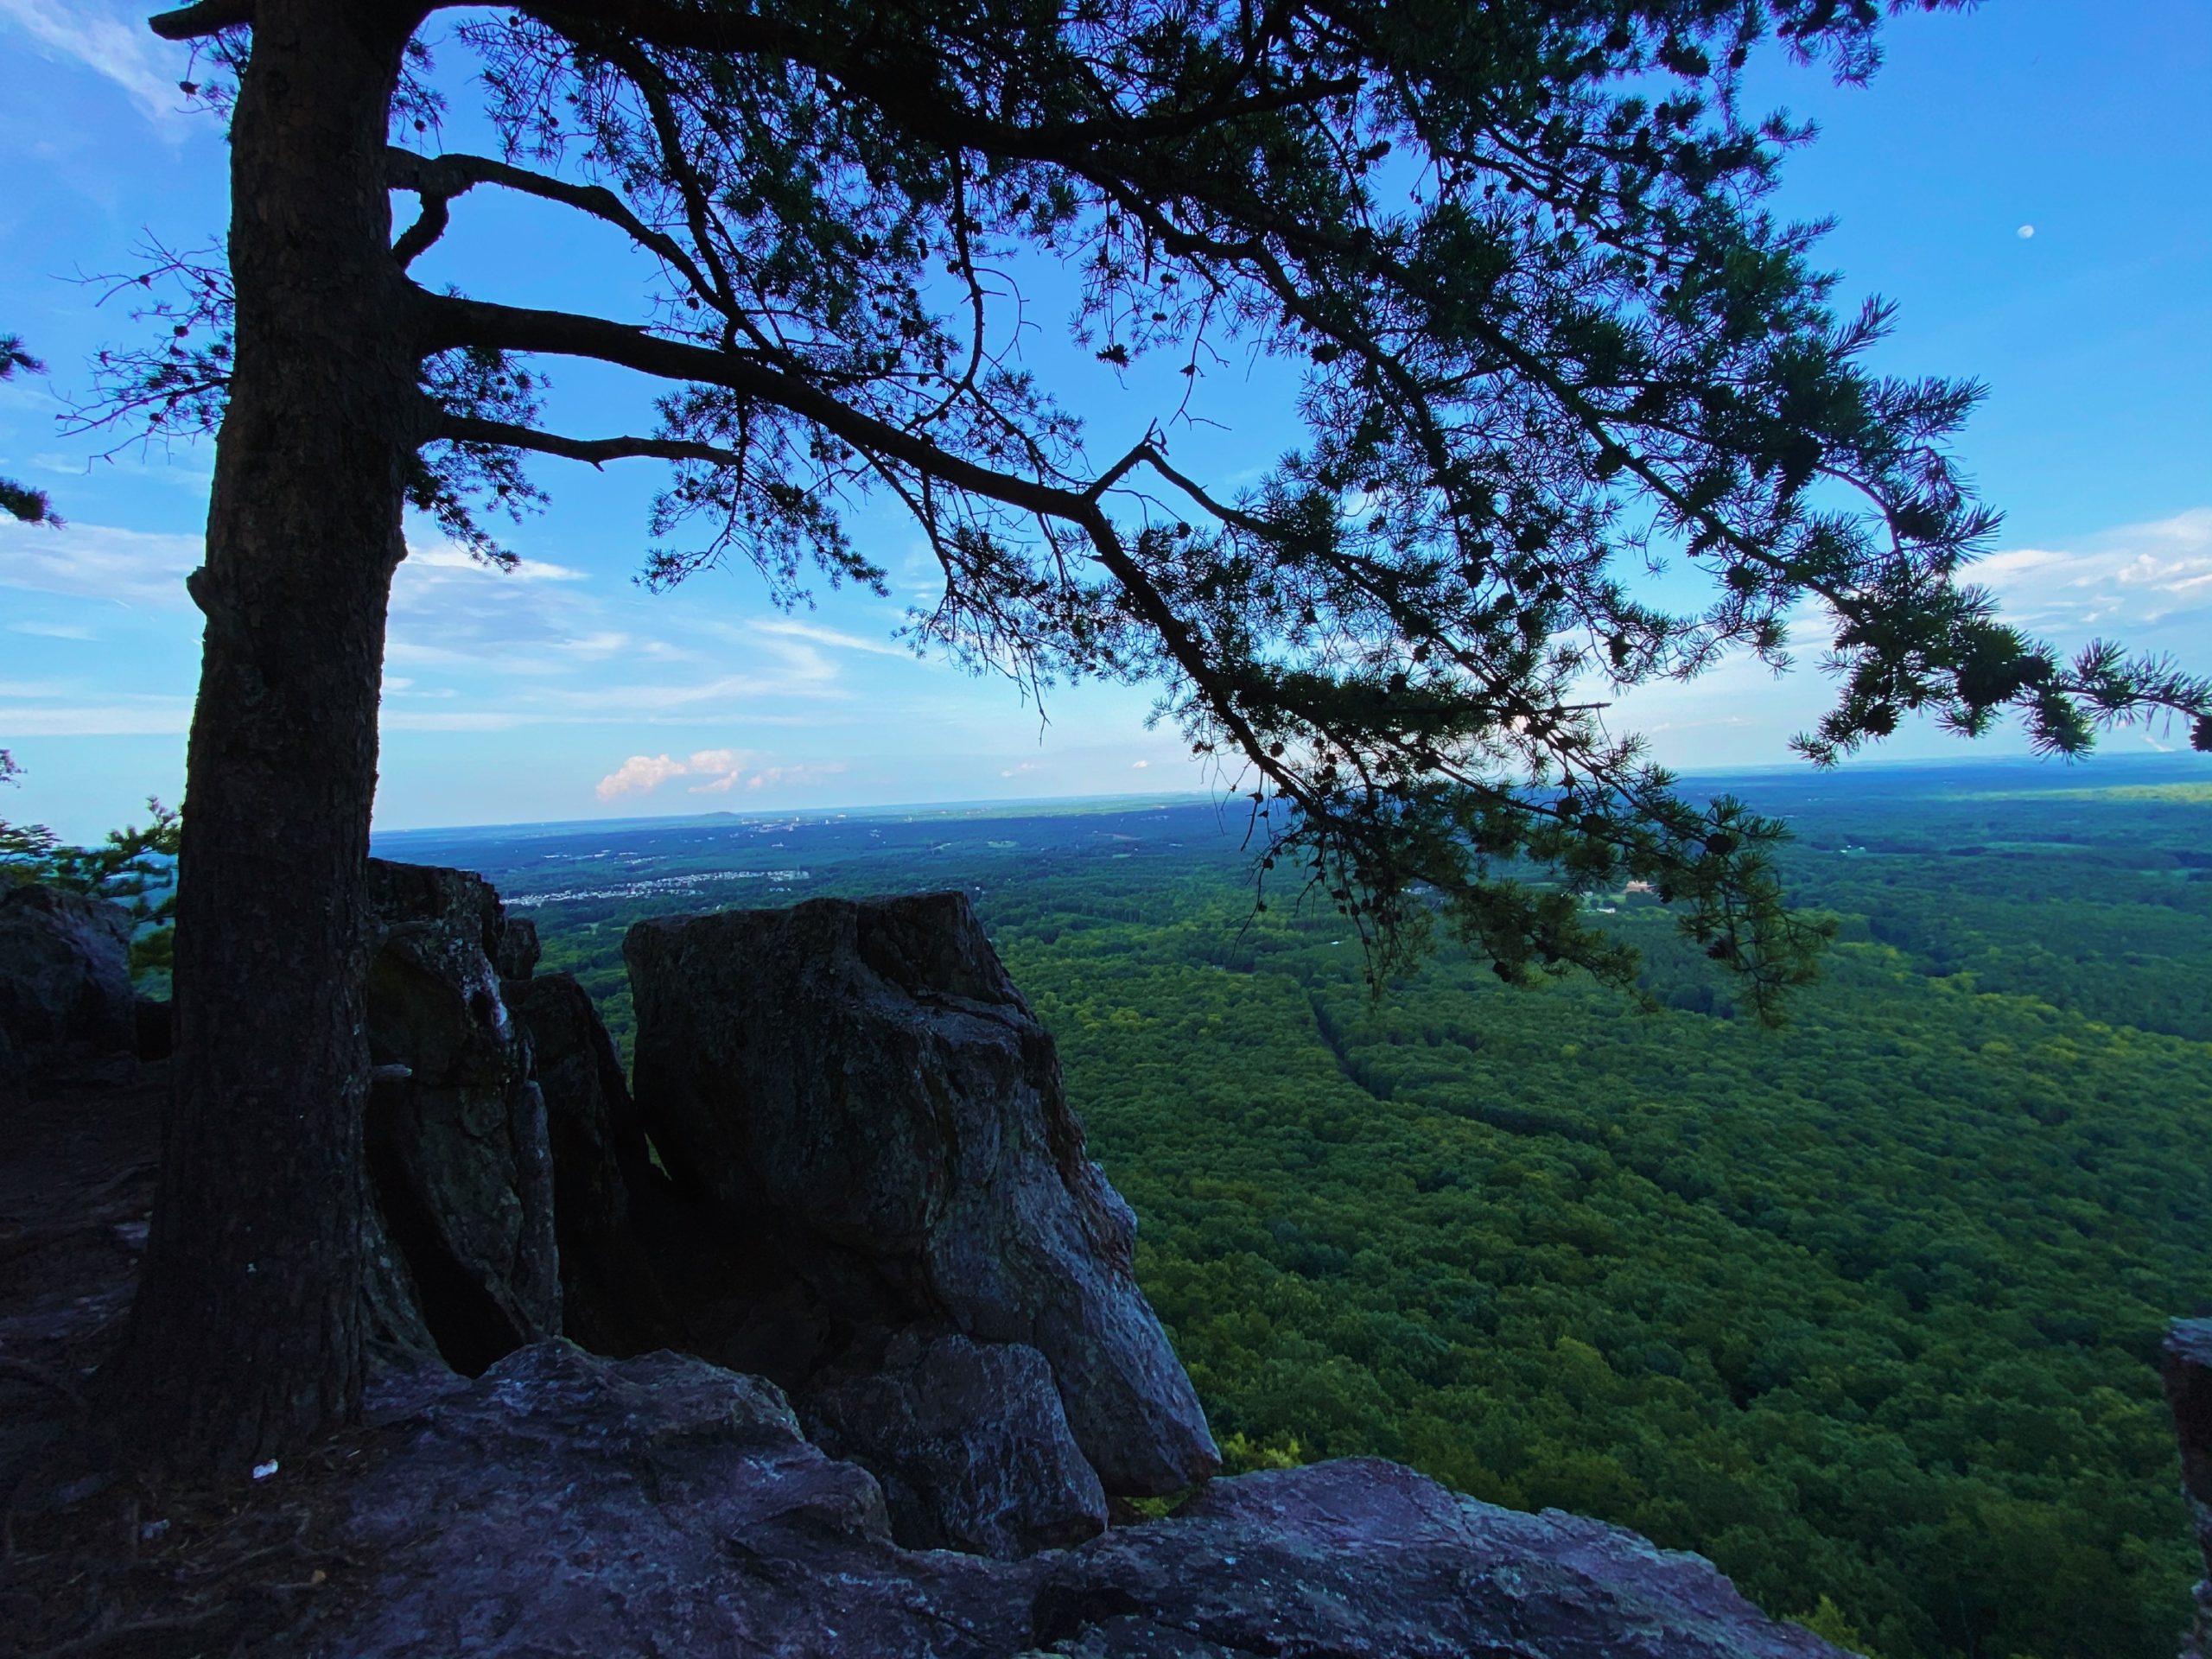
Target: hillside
[{"x": 1865, "y": 1309}]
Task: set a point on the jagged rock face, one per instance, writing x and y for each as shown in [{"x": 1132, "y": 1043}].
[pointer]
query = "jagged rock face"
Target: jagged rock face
[
  {"x": 2187, "y": 1369},
  {"x": 565, "y": 1503},
  {"x": 970, "y": 1442},
  {"x": 456, "y": 1131},
  {"x": 859, "y": 1087},
  {"x": 611, "y": 1299},
  {"x": 516, "y": 957},
  {"x": 66, "y": 1002}
]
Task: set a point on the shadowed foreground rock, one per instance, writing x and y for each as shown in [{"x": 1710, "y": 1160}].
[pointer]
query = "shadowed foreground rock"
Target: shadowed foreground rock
[
  {"x": 858, "y": 1090},
  {"x": 611, "y": 1299},
  {"x": 2187, "y": 1369},
  {"x": 564, "y": 1503},
  {"x": 456, "y": 1132},
  {"x": 970, "y": 1442},
  {"x": 65, "y": 1004}
]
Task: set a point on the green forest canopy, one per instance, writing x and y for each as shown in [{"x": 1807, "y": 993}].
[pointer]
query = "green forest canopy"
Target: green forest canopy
[{"x": 1865, "y": 1309}]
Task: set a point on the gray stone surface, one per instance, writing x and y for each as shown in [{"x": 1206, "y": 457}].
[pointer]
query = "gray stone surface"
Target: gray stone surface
[
  {"x": 969, "y": 1443},
  {"x": 456, "y": 1130},
  {"x": 2187, "y": 1369},
  {"x": 66, "y": 1002},
  {"x": 567, "y": 1504},
  {"x": 611, "y": 1297},
  {"x": 1360, "y": 1559},
  {"x": 860, "y": 1084},
  {"x": 516, "y": 957}
]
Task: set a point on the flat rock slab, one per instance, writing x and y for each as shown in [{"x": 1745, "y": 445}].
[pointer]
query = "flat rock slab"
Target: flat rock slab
[
  {"x": 1361, "y": 1558},
  {"x": 566, "y": 1504}
]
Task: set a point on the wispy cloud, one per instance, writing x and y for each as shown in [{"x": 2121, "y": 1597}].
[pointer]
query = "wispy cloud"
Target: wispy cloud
[
  {"x": 98, "y": 562},
  {"x": 791, "y": 628},
  {"x": 446, "y": 556},
  {"x": 154, "y": 716},
  {"x": 768, "y": 777},
  {"x": 721, "y": 772},
  {"x": 2138, "y": 575},
  {"x": 113, "y": 41}
]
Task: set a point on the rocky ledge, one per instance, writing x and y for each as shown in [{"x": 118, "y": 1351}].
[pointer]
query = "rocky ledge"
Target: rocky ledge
[
  {"x": 568, "y": 1503},
  {"x": 860, "y": 1361}
]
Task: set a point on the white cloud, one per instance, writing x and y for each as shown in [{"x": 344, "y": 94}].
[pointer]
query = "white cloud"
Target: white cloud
[
  {"x": 791, "y": 627},
  {"x": 641, "y": 774},
  {"x": 113, "y": 41},
  {"x": 51, "y": 630},
  {"x": 2136, "y": 576},
  {"x": 447, "y": 555},
  {"x": 547, "y": 638},
  {"x": 123, "y": 566},
  {"x": 1139, "y": 765},
  {"x": 148, "y": 716},
  {"x": 1016, "y": 772},
  {"x": 767, "y": 777},
  {"x": 720, "y": 770}
]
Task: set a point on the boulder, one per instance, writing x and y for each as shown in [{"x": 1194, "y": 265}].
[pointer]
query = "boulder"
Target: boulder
[
  {"x": 568, "y": 1503},
  {"x": 858, "y": 1089},
  {"x": 516, "y": 957},
  {"x": 66, "y": 1003},
  {"x": 462, "y": 904},
  {"x": 456, "y": 1131},
  {"x": 1360, "y": 1559},
  {"x": 969, "y": 1442},
  {"x": 2187, "y": 1369},
  {"x": 610, "y": 1299}
]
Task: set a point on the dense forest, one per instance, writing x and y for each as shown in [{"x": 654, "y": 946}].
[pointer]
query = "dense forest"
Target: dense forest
[{"x": 1866, "y": 1308}]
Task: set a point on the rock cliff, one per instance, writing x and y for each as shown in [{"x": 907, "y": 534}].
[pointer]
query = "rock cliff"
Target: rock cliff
[
  {"x": 859, "y": 1091},
  {"x": 564, "y": 1504},
  {"x": 849, "y": 1163}
]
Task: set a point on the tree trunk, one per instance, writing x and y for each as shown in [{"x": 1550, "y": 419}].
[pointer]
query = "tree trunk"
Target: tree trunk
[{"x": 247, "y": 1335}]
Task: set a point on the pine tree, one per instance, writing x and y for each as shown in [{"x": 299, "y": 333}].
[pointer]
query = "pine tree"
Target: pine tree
[{"x": 1548, "y": 330}]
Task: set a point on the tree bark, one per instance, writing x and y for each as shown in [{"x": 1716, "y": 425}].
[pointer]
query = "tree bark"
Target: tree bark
[{"x": 247, "y": 1335}]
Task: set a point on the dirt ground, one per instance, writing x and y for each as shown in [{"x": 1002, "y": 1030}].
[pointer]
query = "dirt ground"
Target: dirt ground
[{"x": 97, "y": 1556}]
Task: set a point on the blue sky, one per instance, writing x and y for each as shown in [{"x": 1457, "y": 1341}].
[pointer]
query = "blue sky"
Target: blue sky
[{"x": 2032, "y": 183}]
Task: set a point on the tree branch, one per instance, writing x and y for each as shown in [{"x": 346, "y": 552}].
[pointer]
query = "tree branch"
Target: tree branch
[
  {"x": 467, "y": 429},
  {"x": 449, "y": 321},
  {"x": 199, "y": 21},
  {"x": 441, "y": 178},
  {"x": 899, "y": 90},
  {"x": 418, "y": 238},
  {"x": 446, "y": 321}
]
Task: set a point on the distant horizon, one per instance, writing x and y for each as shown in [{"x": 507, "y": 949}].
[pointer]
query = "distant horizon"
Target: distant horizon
[{"x": 2176, "y": 760}]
